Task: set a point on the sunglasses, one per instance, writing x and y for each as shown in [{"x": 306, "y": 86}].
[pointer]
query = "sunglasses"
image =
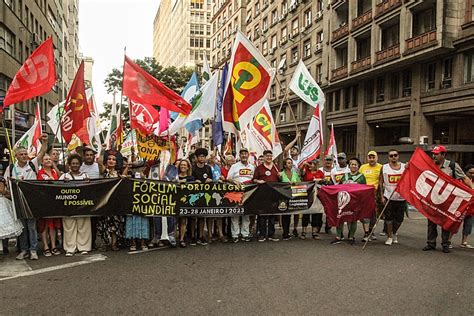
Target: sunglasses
[{"x": 393, "y": 155}]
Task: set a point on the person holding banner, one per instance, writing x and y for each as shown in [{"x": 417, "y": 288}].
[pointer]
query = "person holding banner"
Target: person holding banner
[
  {"x": 25, "y": 169},
  {"x": 202, "y": 173},
  {"x": 266, "y": 172},
  {"x": 340, "y": 169},
  {"x": 216, "y": 177},
  {"x": 467, "y": 226},
  {"x": 288, "y": 175},
  {"x": 395, "y": 210},
  {"x": 184, "y": 176},
  {"x": 452, "y": 169},
  {"x": 312, "y": 173},
  {"x": 77, "y": 230}
]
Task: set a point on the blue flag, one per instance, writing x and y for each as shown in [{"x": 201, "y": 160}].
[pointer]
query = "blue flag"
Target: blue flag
[
  {"x": 217, "y": 130},
  {"x": 189, "y": 92}
]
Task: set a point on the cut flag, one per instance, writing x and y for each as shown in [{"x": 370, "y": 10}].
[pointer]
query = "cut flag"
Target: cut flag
[
  {"x": 36, "y": 76},
  {"x": 247, "y": 85},
  {"x": 142, "y": 87},
  {"x": 31, "y": 140}
]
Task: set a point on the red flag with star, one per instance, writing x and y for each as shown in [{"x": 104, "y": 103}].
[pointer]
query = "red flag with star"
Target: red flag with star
[{"x": 76, "y": 108}]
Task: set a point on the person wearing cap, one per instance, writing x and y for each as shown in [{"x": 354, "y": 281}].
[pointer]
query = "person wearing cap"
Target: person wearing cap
[
  {"x": 395, "y": 210},
  {"x": 340, "y": 169},
  {"x": 452, "y": 169},
  {"x": 202, "y": 173},
  {"x": 241, "y": 173},
  {"x": 371, "y": 171},
  {"x": 292, "y": 151},
  {"x": 326, "y": 169},
  {"x": 312, "y": 173}
]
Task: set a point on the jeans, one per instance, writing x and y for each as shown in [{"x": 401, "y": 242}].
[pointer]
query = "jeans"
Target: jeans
[
  {"x": 285, "y": 223},
  {"x": 29, "y": 236},
  {"x": 433, "y": 234},
  {"x": 316, "y": 220},
  {"x": 235, "y": 227},
  {"x": 352, "y": 229},
  {"x": 266, "y": 225},
  {"x": 467, "y": 227}
]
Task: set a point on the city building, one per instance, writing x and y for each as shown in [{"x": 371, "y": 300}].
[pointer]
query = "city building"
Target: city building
[
  {"x": 88, "y": 64},
  {"x": 24, "y": 25},
  {"x": 181, "y": 33}
]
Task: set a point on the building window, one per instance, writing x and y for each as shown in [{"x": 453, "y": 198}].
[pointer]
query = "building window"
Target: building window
[
  {"x": 406, "y": 86},
  {"x": 347, "y": 97},
  {"x": 330, "y": 101},
  {"x": 294, "y": 55},
  {"x": 380, "y": 89},
  {"x": 274, "y": 41},
  {"x": 272, "y": 92},
  {"x": 319, "y": 37},
  {"x": 341, "y": 57},
  {"x": 337, "y": 100},
  {"x": 363, "y": 48},
  {"x": 294, "y": 26},
  {"x": 430, "y": 76},
  {"x": 307, "y": 18},
  {"x": 274, "y": 17},
  {"x": 424, "y": 21},
  {"x": 363, "y": 6},
  {"x": 369, "y": 92},
  {"x": 319, "y": 73},
  {"x": 265, "y": 24},
  {"x": 469, "y": 67},
  {"x": 284, "y": 33},
  {"x": 273, "y": 63},
  {"x": 391, "y": 36},
  {"x": 394, "y": 86},
  {"x": 7, "y": 40},
  {"x": 265, "y": 47},
  {"x": 355, "y": 96},
  {"x": 307, "y": 48},
  {"x": 447, "y": 73},
  {"x": 282, "y": 88}
]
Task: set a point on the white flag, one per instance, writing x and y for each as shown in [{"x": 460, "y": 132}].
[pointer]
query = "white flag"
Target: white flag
[
  {"x": 306, "y": 87},
  {"x": 313, "y": 140}
]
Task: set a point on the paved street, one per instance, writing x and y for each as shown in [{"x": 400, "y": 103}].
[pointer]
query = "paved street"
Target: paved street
[{"x": 294, "y": 277}]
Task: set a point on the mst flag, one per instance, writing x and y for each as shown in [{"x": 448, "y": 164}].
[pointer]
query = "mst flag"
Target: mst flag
[
  {"x": 347, "y": 202},
  {"x": 306, "y": 87},
  {"x": 247, "y": 85},
  {"x": 36, "y": 76},
  {"x": 76, "y": 108},
  {"x": 31, "y": 139},
  {"x": 439, "y": 197},
  {"x": 142, "y": 87},
  {"x": 313, "y": 140}
]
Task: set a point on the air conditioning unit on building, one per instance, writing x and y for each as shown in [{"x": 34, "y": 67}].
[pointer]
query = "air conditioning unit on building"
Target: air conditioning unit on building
[
  {"x": 424, "y": 140},
  {"x": 319, "y": 47}
]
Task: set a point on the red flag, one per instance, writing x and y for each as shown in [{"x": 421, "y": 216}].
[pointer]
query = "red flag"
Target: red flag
[
  {"x": 142, "y": 87},
  {"x": 347, "y": 202},
  {"x": 439, "y": 197},
  {"x": 76, "y": 108},
  {"x": 143, "y": 117},
  {"x": 36, "y": 76}
]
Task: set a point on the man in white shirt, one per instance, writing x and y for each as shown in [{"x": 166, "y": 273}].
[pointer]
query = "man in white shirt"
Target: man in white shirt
[
  {"x": 341, "y": 168},
  {"x": 26, "y": 169},
  {"x": 241, "y": 173}
]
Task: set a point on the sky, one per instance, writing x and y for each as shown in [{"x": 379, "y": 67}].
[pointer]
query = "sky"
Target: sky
[{"x": 106, "y": 27}]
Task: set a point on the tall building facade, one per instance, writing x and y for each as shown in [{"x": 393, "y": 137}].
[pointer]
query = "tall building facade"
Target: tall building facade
[
  {"x": 23, "y": 26},
  {"x": 181, "y": 33},
  {"x": 396, "y": 73}
]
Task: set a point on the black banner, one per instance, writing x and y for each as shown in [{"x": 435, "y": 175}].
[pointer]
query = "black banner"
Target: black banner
[{"x": 156, "y": 198}]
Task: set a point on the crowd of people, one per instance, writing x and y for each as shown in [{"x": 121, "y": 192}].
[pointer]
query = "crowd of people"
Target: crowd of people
[{"x": 80, "y": 235}]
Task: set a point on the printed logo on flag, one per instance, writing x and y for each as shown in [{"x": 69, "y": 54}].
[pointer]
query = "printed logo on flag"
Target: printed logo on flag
[
  {"x": 263, "y": 125},
  {"x": 307, "y": 88},
  {"x": 343, "y": 199}
]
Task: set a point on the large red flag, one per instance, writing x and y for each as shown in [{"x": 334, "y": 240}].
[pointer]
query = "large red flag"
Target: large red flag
[
  {"x": 140, "y": 86},
  {"x": 439, "y": 197},
  {"x": 143, "y": 117},
  {"x": 76, "y": 108},
  {"x": 347, "y": 202},
  {"x": 36, "y": 76}
]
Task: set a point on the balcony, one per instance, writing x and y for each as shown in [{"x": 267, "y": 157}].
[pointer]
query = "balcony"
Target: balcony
[
  {"x": 362, "y": 20},
  {"x": 339, "y": 73},
  {"x": 336, "y": 3},
  {"x": 386, "y": 6},
  {"x": 387, "y": 54},
  {"x": 420, "y": 42},
  {"x": 342, "y": 31},
  {"x": 360, "y": 65}
]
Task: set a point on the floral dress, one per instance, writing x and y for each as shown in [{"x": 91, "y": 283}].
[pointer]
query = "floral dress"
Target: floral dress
[{"x": 109, "y": 224}]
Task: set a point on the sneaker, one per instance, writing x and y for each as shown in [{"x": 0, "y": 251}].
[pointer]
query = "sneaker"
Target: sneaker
[
  {"x": 450, "y": 246},
  {"x": 193, "y": 242},
  {"x": 273, "y": 238},
  {"x": 84, "y": 253},
  {"x": 33, "y": 255},
  {"x": 446, "y": 249},
  {"x": 235, "y": 240},
  {"x": 69, "y": 254},
  {"x": 202, "y": 242},
  {"x": 428, "y": 248},
  {"x": 466, "y": 245},
  {"x": 47, "y": 253},
  {"x": 286, "y": 238},
  {"x": 22, "y": 255},
  {"x": 261, "y": 239},
  {"x": 365, "y": 238},
  {"x": 373, "y": 237},
  {"x": 383, "y": 234},
  {"x": 247, "y": 239},
  {"x": 295, "y": 233},
  {"x": 336, "y": 241},
  {"x": 389, "y": 241},
  {"x": 395, "y": 239}
]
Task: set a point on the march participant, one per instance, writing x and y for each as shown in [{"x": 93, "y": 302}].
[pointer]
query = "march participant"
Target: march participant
[
  {"x": 467, "y": 227},
  {"x": 292, "y": 151},
  {"x": 49, "y": 226},
  {"x": 452, "y": 169},
  {"x": 77, "y": 230},
  {"x": 371, "y": 171},
  {"x": 202, "y": 173},
  {"x": 184, "y": 176},
  {"x": 266, "y": 172},
  {"x": 312, "y": 173},
  {"x": 260, "y": 160},
  {"x": 341, "y": 168},
  {"x": 353, "y": 176},
  {"x": 241, "y": 173},
  {"x": 216, "y": 177},
  {"x": 10, "y": 227},
  {"x": 229, "y": 161},
  {"x": 26, "y": 169},
  {"x": 326, "y": 169},
  {"x": 288, "y": 175},
  {"x": 395, "y": 210},
  {"x": 57, "y": 165}
]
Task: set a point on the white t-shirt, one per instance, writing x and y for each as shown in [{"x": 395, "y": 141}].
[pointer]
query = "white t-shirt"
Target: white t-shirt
[
  {"x": 92, "y": 170},
  {"x": 69, "y": 176},
  {"x": 337, "y": 173},
  {"x": 327, "y": 174},
  {"x": 241, "y": 173},
  {"x": 23, "y": 173},
  {"x": 391, "y": 178}
]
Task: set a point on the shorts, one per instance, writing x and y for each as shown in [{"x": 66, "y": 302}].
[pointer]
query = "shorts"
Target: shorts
[
  {"x": 395, "y": 211},
  {"x": 51, "y": 223}
]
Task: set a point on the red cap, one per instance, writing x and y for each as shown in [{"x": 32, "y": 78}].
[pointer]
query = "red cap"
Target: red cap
[{"x": 439, "y": 149}]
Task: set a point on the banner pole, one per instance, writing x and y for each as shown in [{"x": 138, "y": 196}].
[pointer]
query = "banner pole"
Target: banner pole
[
  {"x": 378, "y": 219},
  {"x": 13, "y": 124},
  {"x": 7, "y": 137}
]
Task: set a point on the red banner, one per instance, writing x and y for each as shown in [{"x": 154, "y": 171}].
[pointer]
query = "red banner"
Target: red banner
[
  {"x": 36, "y": 76},
  {"x": 347, "y": 202},
  {"x": 441, "y": 198},
  {"x": 140, "y": 86},
  {"x": 76, "y": 107},
  {"x": 143, "y": 117}
]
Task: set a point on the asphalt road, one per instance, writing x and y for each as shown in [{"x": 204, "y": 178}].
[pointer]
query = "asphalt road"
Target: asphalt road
[{"x": 285, "y": 277}]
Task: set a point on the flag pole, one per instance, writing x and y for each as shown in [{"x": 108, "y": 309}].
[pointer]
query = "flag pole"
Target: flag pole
[
  {"x": 378, "y": 219},
  {"x": 119, "y": 119},
  {"x": 7, "y": 137},
  {"x": 13, "y": 124},
  {"x": 285, "y": 98}
]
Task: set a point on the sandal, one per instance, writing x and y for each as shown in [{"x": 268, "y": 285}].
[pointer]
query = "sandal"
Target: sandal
[
  {"x": 56, "y": 252},
  {"x": 316, "y": 236},
  {"x": 133, "y": 248},
  {"x": 466, "y": 245},
  {"x": 47, "y": 253},
  {"x": 182, "y": 244},
  {"x": 303, "y": 235},
  {"x": 144, "y": 248}
]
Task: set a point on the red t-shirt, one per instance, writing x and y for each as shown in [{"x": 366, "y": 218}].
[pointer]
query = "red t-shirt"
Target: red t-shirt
[
  {"x": 268, "y": 175},
  {"x": 311, "y": 175},
  {"x": 42, "y": 175},
  {"x": 225, "y": 172}
]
